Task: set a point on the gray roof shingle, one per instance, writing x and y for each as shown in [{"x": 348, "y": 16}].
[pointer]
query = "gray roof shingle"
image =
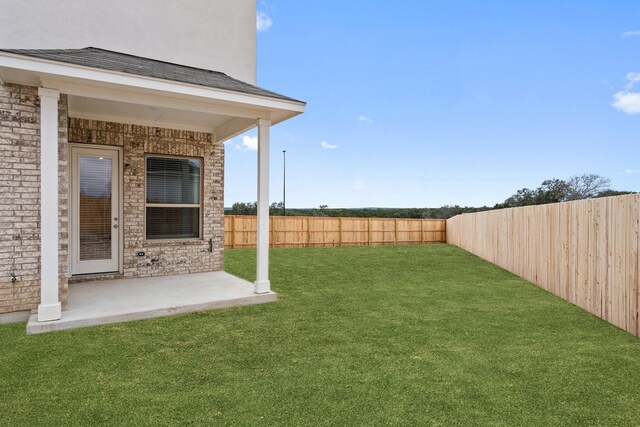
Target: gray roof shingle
[{"x": 121, "y": 62}]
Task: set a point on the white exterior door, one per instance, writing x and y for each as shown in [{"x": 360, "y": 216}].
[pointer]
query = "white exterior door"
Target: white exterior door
[{"x": 95, "y": 210}]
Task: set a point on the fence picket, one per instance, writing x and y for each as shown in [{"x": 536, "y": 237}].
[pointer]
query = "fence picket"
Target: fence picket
[
  {"x": 586, "y": 252},
  {"x": 295, "y": 231}
]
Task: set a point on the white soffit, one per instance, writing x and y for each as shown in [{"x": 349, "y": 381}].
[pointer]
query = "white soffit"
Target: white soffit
[{"x": 99, "y": 109}]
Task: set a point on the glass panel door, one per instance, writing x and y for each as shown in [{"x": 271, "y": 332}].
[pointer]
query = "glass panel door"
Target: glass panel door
[
  {"x": 95, "y": 207},
  {"x": 95, "y": 210}
]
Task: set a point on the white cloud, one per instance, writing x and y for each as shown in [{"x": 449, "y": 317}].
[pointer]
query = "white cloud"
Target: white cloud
[
  {"x": 632, "y": 33},
  {"x": 364, "y": 119},
  {"x": 630, "y": 171},
  {"x": 263, "y": 22},
  {"x": 327, "y": 146},
  {"x": 250, "y": 143},
  {"x": 359, "y": 185},
  {"x": 607, "y": 84},
  {"x": 627, "y": 102},
  {"x": 632, "y": 79}
]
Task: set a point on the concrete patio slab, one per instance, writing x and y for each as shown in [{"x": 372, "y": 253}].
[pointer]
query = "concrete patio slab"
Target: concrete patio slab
[{"x": 122, "y": 300}]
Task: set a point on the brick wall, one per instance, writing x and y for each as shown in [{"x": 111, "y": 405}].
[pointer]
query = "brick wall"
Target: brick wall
[
  {"x": 20, "y": 201},
  {"x": 162, "y": 257}
]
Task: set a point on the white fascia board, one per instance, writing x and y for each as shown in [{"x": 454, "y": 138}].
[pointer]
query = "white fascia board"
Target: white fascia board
[{"x": 53, "y": 68}]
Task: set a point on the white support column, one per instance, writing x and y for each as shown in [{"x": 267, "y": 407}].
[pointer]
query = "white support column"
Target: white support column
[
  {"x": 262, "y": 284},
  {"x": 50, "y": 307}
]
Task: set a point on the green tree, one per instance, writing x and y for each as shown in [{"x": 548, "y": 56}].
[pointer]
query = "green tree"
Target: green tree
[
  {"x": 557, "y": 190},
  {"x": 275, "y": 209},
  {"x": 586, "y": 186},
  {"x": 241, "y": 208}
]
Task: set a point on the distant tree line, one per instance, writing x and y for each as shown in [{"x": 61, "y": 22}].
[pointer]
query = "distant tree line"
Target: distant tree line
[
  {"x": 444, "y": 212},
  {"x": 557, "y": 190},
  {"x": 550, "y": 191}
]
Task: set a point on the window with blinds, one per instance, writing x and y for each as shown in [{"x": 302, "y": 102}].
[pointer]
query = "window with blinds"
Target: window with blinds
[{"x": 173, "y": 205}]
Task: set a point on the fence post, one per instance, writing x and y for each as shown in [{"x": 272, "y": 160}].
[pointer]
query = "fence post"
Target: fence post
[
  {"x": 308, "y": 232},
  {"x": 271, "y": 242},
  {"x": 369, "y": 232},
  {"x": 339, "y": 231},
  {"x": 395, "y": 231},
  {"x": 233, "y": 231},
  {"x": 444, "y": 232},
  {"x": 422, "y": 231}
]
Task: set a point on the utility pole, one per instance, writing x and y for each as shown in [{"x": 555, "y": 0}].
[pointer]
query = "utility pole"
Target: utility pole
[{"x": 284, "y": 182}]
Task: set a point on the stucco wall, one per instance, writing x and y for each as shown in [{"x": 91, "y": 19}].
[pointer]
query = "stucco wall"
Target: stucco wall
[{"x": 212, "y": 34}]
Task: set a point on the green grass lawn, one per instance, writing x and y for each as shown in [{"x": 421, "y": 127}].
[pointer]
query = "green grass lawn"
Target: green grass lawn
[{"x": 397, "y": 335}]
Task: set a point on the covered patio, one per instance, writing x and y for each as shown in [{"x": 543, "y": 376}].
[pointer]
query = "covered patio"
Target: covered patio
[
  {"x": 123, "y": 300},
  {"x": 93, "y": 85}
]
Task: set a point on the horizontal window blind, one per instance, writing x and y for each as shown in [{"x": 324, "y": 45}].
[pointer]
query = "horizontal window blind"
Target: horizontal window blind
[
  {"x": 173, "y": 181},
  {"x": 173, "y": 223},
  {"x": 95, "y": 208},
  {"x": 173, "y": 208}
]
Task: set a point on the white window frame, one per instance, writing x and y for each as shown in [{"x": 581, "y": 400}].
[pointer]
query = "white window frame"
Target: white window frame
[{"x": 174, "y": 205}]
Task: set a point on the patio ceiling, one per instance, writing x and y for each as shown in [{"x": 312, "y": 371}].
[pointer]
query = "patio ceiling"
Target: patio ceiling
[{"x": 86, "y": 107}]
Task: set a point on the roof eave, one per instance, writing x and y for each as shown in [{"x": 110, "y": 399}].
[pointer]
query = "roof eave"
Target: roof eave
[{"x": 51, "y": 69}]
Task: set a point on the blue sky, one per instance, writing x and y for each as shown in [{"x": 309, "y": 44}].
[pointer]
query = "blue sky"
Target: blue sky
[{"x": 427, "y": 103}]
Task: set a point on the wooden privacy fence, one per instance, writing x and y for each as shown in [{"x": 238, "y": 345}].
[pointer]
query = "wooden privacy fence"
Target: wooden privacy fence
[
  {"x": 297, "y": 231},
  {"x": 585, "y": 252}
]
